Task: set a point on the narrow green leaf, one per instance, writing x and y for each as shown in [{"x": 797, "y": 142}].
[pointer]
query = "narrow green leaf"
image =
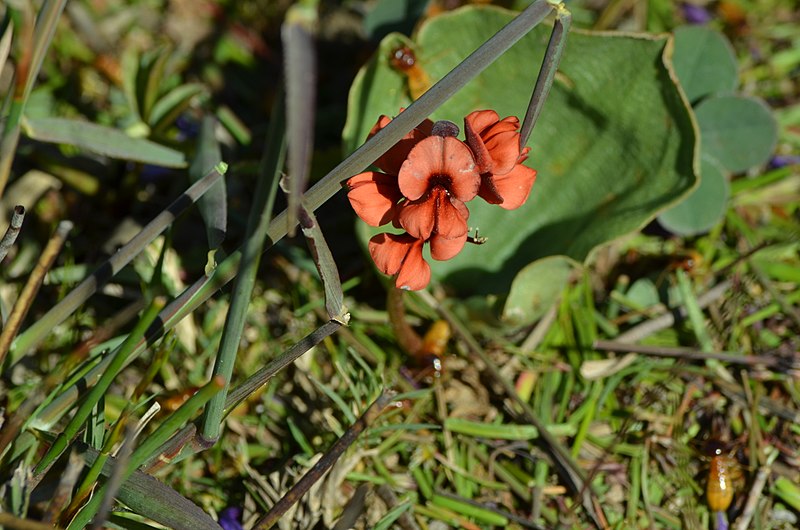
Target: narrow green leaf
[
  {"x": 214, "y": 204},
  {"x": 503, "y": 431},
  {"x": 97, "y": 392},
  {"x": 149, "y": 78},
  {"x": 483, "y": 515},
  {"x": 257, "y": 226},
  {"x": 152, "y": 499},
  {"x": 300, "y": 66},
  {"x": 150, "y": 446},
  {"x": 102, "y": 140},
  {"x": 171, "y": 104},
  {"x": 788, "y": 491},
  {"x": 392, "y": 515},
  {"x": 693, "y": 311},
  {"x": 326, "y": 266}
]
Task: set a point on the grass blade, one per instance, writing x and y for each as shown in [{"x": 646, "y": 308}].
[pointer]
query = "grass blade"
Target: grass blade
[
  {"x": 257, "y": 225},
  {"x": 544, "y": 82},
  {"x": 35, "y": 42}
]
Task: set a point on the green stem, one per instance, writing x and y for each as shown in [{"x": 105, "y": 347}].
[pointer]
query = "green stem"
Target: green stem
[
  {"x": 544, "y": 82},
  {"x": 257, "y": 224}
]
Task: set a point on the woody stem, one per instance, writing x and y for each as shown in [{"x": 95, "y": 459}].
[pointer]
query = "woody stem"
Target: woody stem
[{"x": 407, "y": 338}]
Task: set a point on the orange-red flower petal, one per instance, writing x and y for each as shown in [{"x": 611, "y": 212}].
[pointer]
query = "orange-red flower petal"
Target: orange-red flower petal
[
  {"x": 439, "y": 161},
  {"x": 374, "y": 197},
  {"x": 494, "y": 142},
  {"x": 443, "y": 248},
  {"x": 511, "y": 190},
  {"x": 437, "y": 212},
  {"x": 393, "y": 159},
  {"x": 402, "y": 255}
]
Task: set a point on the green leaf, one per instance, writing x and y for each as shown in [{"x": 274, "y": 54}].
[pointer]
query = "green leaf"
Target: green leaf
[
  {"x": 392, "y": 15},
  {"x": 614, "y": 144},
  {"x": 704, "y": 62},
  {"x": 102, "y": 140},
  {"x": 739, "y": 132},
  {"x": 536, "y": 288},
  {"x": 214, "y": 204},
  {"x": 705, "y": 207},
  {"x": 157, "y": 501},
  {"x": 643, "y": 293},
  {"x": 171, "y": 104}
]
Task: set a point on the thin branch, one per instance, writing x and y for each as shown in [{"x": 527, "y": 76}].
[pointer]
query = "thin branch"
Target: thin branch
[
  {"x": 13, "y": 231},
  {"x": 689, "y": 354},
  {"x": 46, "y": 260}
]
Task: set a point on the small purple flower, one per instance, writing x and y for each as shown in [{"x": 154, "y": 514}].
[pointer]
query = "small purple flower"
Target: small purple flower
[
  {"x": 229, "y": 518},
  {"x": 779, "y": 161},
  {"x": 695, "y": 14}
]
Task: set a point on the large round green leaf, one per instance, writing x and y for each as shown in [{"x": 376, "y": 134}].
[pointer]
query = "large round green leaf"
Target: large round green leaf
[
  {"x": 701, "y": 210},
  {"x": 704, "y": 62},
  {"x": 614, "y": 144},
  {"x": 738, "y": 131}
]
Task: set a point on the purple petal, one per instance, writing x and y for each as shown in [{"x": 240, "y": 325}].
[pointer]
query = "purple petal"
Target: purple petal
[
  {"x": 779, "y": 161},
  {"x": 229, "y": 518}
]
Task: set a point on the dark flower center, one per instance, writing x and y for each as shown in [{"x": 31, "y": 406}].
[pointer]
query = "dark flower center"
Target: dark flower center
[{"x": 440, "y": 180}]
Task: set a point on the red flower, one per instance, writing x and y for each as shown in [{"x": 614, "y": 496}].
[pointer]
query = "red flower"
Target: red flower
[
  {"x": 374, "y": 195},
  {"x": 424, "y": 183},
  {"x": 437, "y": 178},
  {"x": 401, "y": 255},
  {"x": 495, "y": 144}
]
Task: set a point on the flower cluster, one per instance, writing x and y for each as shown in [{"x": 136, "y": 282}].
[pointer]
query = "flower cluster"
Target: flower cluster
[{"x": 424, "y": 183}]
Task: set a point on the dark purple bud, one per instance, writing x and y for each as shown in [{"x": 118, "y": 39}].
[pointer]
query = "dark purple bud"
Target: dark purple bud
[
  {"x": 695, "y": 14},
  {"x": 444, "y": 128}
]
